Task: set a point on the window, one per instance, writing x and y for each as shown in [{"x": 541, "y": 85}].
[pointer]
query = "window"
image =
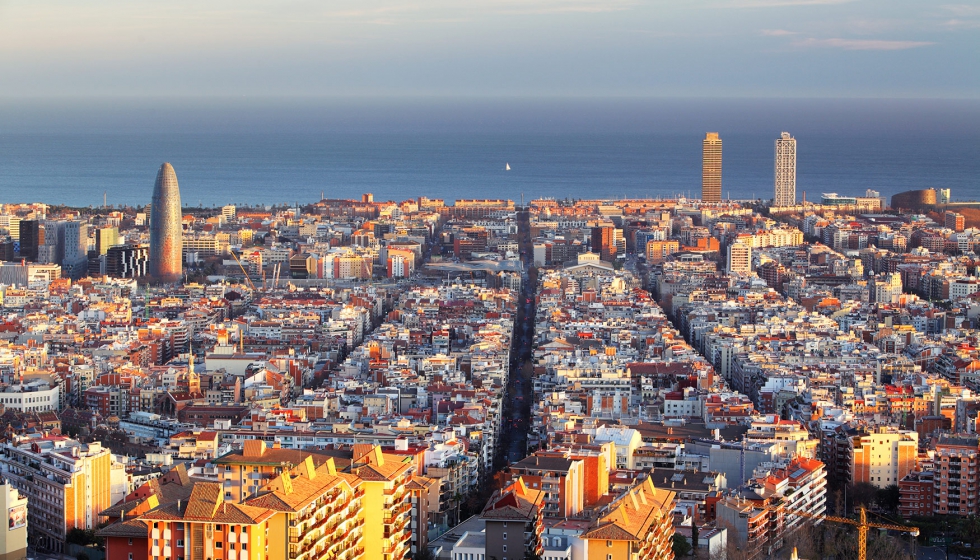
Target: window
[
  {"x": 130, "y": 556},
  {"x": 180, "y": 543},
  {"x": 608, "y": 543},
  {"x": 244, "y": 546},
  {"x": 130, "y": 542},
  {"x": 505, "y": 536},
  {"x": 504, "y": 549},
  {"x": 218, "y": 544}
]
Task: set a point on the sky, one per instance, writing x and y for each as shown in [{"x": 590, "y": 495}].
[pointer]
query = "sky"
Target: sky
[{"x": 151, "y": 49}]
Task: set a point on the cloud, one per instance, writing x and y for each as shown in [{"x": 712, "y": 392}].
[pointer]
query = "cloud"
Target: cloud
[
  {"x": 962, "y": 23},
  {"x": 559, "y": 6},
  {"x": 783, "y": 3},
  {"x": 862, "y": 44},
  {"x": 778, "y": 32},
  {"x": 963, "y": 10}
]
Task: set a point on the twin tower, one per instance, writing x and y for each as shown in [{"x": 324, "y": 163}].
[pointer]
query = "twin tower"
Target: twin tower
[
  {"x": 784, "y": 183},
  {"x": 166, "y": 233}
]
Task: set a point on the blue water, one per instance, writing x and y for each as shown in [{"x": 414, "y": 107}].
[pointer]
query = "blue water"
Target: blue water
[{"x": 408, "y": 160}]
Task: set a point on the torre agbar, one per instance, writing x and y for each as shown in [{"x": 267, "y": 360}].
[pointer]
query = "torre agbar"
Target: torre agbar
[{"x": 165, "y": 227}]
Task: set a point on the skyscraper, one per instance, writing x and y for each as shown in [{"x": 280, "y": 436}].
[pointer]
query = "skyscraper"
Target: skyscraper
[
  {"x": 30, "y": 239},
  {"x": 785, "y": 171},
  {"x": 711, "y": 168},
  {"x": 603, "y": 243},
  {"x": 165, "y": 227},
  {"x": 106, "y": 237}
]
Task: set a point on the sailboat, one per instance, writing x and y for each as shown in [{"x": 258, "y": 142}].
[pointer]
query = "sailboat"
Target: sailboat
[{"x": 506, "y": 167}]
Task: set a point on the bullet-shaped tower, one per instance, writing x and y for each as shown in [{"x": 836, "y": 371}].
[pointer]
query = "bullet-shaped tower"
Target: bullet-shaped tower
[{"x": 166, "y": 237}]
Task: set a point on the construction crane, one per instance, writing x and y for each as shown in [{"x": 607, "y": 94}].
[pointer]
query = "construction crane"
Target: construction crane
[
  {"x": 240, "y": 265},
  {"x": 861, "y": 523}
]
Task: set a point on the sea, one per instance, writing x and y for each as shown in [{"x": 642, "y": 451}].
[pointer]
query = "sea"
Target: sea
[{"x": 265, "y": 152}]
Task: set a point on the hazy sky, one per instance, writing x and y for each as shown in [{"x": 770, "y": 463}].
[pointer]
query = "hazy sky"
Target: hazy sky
[{"x": 725, "y": 48}]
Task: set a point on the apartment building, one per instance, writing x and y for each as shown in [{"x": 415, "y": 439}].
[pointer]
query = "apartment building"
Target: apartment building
[
  {"x": 756, "y": 523},
  {"x": 206, "y": 526},
  {"x": 244, "y": 472},
  {"x": 386, "y": 501},
  {"x": 561, "y": 479},
  {"x": 638, "y": 524},
  {"x": 36, "y": 396},
  {"x": 68, "y": 485},
  {"x": 513, "y": 520},
  {"x": 803, "y": 485},
  {"x": 916, "y": 494},
  {"x": 318, "y": 512},
  {"x": 884, "y": 457},
  {"x": 307, "y": 509},
  {"x": 13, "y": 541},
  {"x": 957, "y": 468}
]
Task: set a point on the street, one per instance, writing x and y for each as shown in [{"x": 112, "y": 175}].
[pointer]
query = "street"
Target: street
[
  {"x": 938, "y": 553},
  {"x": 517, "y": 413}
]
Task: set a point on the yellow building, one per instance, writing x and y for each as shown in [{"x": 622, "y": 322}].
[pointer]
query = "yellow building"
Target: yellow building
[
  {"x": 711, "y": 168},
  {"x": 206, "y": 527},
  {"x": 386, "y": 503},
  {"x": 244, "y": 472},
  {"x": 68, "y": 485},
  {"x": 316, "y": 513},
  {"x": 364, "y": 512},
  {"x": 13, "y": 541},
  {"x": 638, "y": 525}
]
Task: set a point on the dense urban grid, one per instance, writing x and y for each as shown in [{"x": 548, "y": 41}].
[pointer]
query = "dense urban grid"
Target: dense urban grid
[{"x": 570, "y": 379}]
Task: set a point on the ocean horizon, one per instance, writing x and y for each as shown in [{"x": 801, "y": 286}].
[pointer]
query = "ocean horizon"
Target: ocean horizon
[{"x": 271, "y": 154}]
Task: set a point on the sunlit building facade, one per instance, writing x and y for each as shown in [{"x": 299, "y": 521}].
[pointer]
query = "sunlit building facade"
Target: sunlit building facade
[
  {"x": 711, "y": 168},
  {"x": 785, "y": 171},
  {"x": 165, "y": 227}
]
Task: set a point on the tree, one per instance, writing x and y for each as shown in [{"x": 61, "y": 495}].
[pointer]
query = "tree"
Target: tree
[
  {"x": 681, "y": 546},
  {"x": 969, "y": 528},
  {"x": 860, "y": 494},
  {"x": 76, "y": 536},
  {"x": 883, "y": 546},
  {"x": 887, "y": 498}
]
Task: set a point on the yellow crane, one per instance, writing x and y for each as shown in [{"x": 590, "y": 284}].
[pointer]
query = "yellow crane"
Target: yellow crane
[
  {"x": 862, "y": 524},
  {"x": 241, "y": 266}
]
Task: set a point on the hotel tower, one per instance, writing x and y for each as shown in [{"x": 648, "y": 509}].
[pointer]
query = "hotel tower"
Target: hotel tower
[
  {"x": 785, "y": 171},
  {"x": 711, "y": 168}
]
